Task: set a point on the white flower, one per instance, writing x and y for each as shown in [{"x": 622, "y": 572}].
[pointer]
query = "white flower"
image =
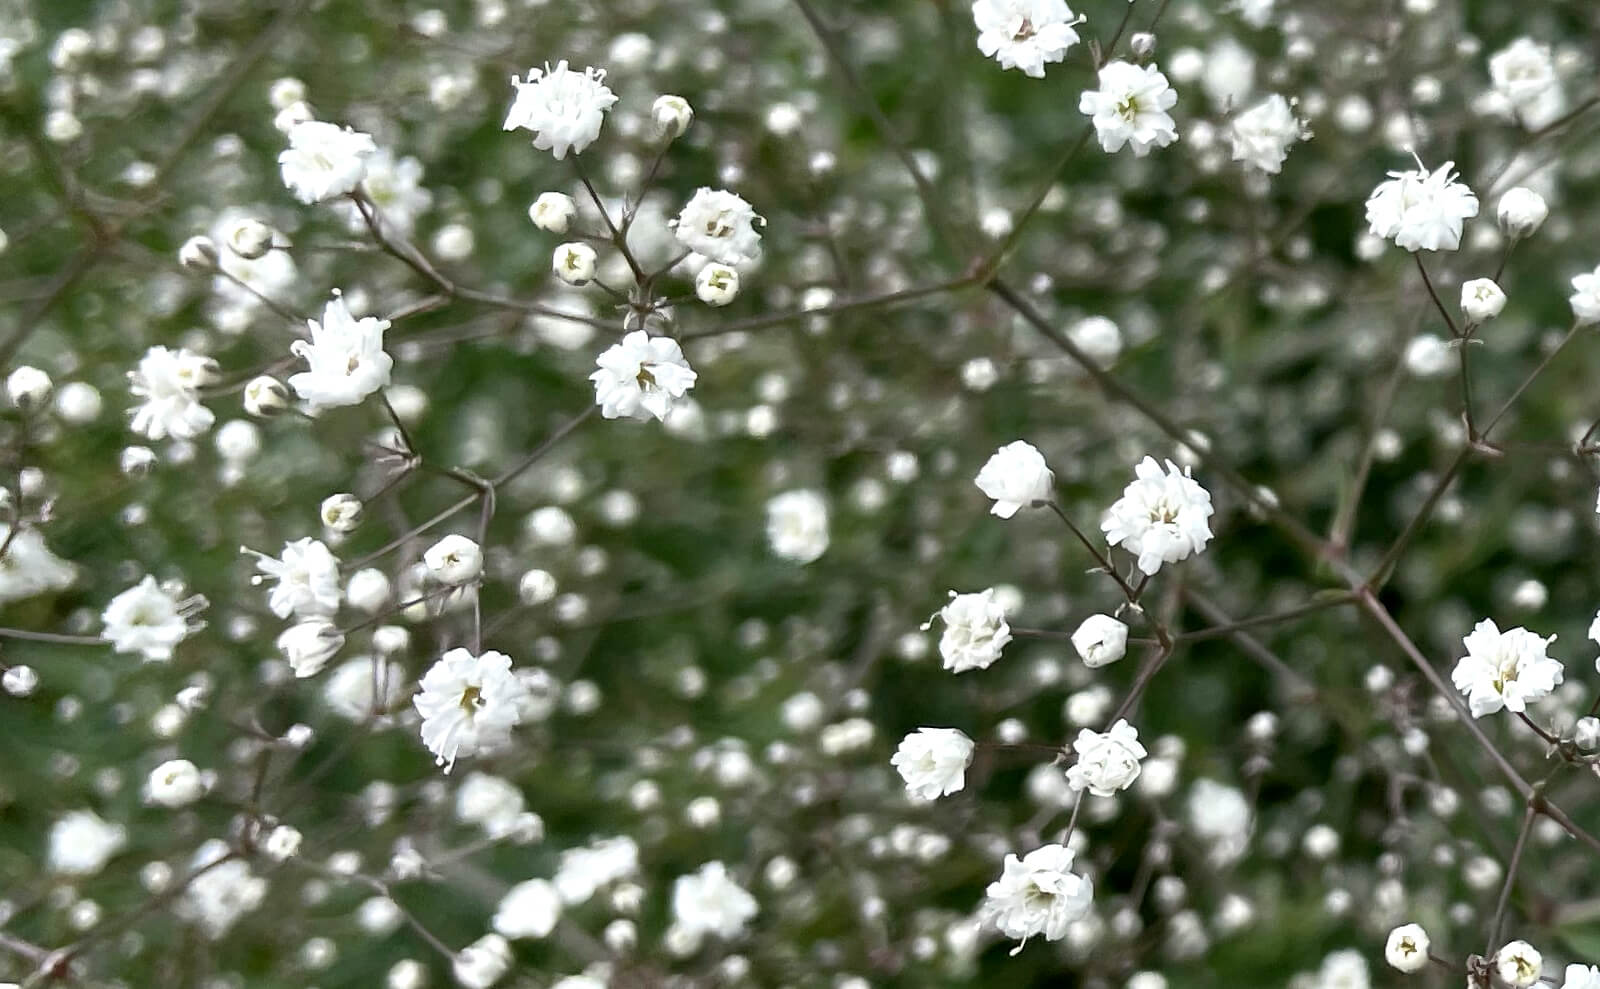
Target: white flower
[
  {"x": 345, "y": 358},
  {"x": 564, "y": 109},
  {"x": 307, "y": 576},
  {"x": 265, "y": 396},
  {"x": 1427, "y": 355},
  {"x": 1107, "y": 761},
  {"x": 975, "y": 631},
  {"x": 282, "y": 843},
  {"x": 528, "y": 910},
  {"x": 29, "y": 568},
  {"x": 719, "y": 225},
  {"x": 175, "y": 783},
  {"x": 468, "y": 705},
  {"x": 1037, "y": 894},
  {"x": 1407, "y": 948},
  {"x": 147, "y": 620},
  {"x": 81, "y": 843},
  {"x": 308, "y": 645},
  {"x": 1100, "y": 640},
  {"x": 1220, "y": 816},
  {"x": 716, "y": 284},
  {"x": 455, "y": 559},
  {"x": 1504, "y": 669},
  {"x": 1524, "y": 75},
  {"x": 708, "y": 901},
  {"x": 199, "y": 253},
  {"x": 491, "y": 802},
  {"x": 1130, "y": 107},
  {"x": 640, "y": 377},
  {"x": 671, "y": 116},
  {"x": 1518, "y": 964},
  {"x": 1345, "y": 969},
  {"x": 1481, "y": 300},
  {"x": 219, "y": 894},
  {"x": 1015, "y": 476},
  {"x": 553, "y": 212},
  {"x": 1521, "y": 211},
  {"x": 395, "y": 189},
  {"x": 574, "y": 263},
  {"x": 1262, "y": 134},
  {"x": 1162, "y": 517},
  {"x": 797, "y": 525},
  {"x": 933, "y": 761},
  {"x": 169, "y": 382},
  {"x": 1025, "y": 34},
  {"x": 1421, "y": 210},
  {"x": 359, "y": 688},
  {"x": 483, "y": 962},
  {"x": 341, "y": 512},
  {"x": 324, "y": 160},
  {"x": 1581, "y": 977},
  {"x": 250, "y": 238},
  {"x": 28, "y": 388},
  {"x": 1586, "y": 297},
  {"x": 582, "y": 871}
]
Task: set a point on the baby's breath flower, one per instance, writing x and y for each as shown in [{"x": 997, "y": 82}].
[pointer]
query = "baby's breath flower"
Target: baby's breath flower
[{"x": 563, "y": 108}]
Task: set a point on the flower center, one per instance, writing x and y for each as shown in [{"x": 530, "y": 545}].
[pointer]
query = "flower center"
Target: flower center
[
  {"x": 472, "y": 699},
  {"x": 645, "y": 379},
  {"x": 351, "y": 365},
  {"x": 1128, "y": 107},
  {"x": 1024, "y": 31}
]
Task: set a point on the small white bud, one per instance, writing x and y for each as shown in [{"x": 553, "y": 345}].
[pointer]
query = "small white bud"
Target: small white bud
[
  {"x": 717, "y": 284},
  {"x": 342, "y": 512},
  {"x": 672, "y": 116},
  {"x": 574, "y": 263},
  {"x": 250, "y": 238},
  {"x": 308, "y": 645},
  {"x": 28, "y": 388},
  {"x": 553, "y": 211},
  {"x": 199, "y": 254},
  {"x": 454, "y": 559},
  {"x": 265, "y": 396},
  {"x": 367, "y": 590},
  {"x": 1586, "y": 734},
  {"x": 78, "y": 402},
  {"x": 282, "y": 843},
  {"x": 1407, "y": 949},
  {"x": 1100, "y": 640},
  {"x": 295, "y": 113},
  {"x": 19, "y": 681},
  {"x": 536, "y": 587},
  {"x": 137, "y": 461},
  {"x": 1481, "y": 300},
  {"x": 1521, "y": 211},
  {"x": 176, "y": 784},
  {"x": 1142, "y": 44}
]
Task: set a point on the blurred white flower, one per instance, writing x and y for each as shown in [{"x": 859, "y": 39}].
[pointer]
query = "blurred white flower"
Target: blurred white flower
[
  {"x": 308, "y": 645},
  {"x": 1025, "y": 34},
  {"x": 145, "y": 619},
  {"x": 81, "y": 843},
  {"x": 1505, "y": 669},
  {"x": 1263, "y": 134},
  {"x": 528, "y": 910},
  {"x": 1162, "y": 516},
  {"x": 708, "y": 901},
  {"x": 483, "y": 962},
  {"x": 324, "y": 160},
  {"x": 175, "y": 783},
  {"x": 933, "y": 761},
  {"x": 1524, "y": 74},
  {"x": 29, "y": 568},
  {"x": 169, "y": 381},
  {"x": 1581, "y": 977},
  {"x": 1130, "y": 108},
  {"x": 564, "y": 109},
  {"x": 797, "y": 525},
  {"x": 1585, "y": 298}
]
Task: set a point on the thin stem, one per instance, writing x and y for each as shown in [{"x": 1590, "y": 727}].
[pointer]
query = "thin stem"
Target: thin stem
[
  {"x": 65, "y": 640},
  {"x": 1511, "y": 876},
  {"x": 1437, "y": 303}
]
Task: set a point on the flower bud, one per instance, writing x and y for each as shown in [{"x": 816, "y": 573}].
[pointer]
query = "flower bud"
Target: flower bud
[
  {"x": 1142, "y": 44},
  {"x": 199, "y": 254},
  {"x": 19, "y": 681},
  {"x": 672, "y": 116},
  {"x": 553, "y": 211},
  {"x": 250, "y": 238},
  {"x": 1521, "y": 211},
  {"x": 136, "y": 461},
  {"x": 265, "y": 396},
  {"x": 1586, "y": 734},
  {"x": 454, "y": 559},
  {"x": 28, "y": 388},
  {"x": 176, "y": 784},
  {"x": 574, "y": 263},
  {"x": 717, "y": 284},
  {"x": 1481, "y": 300},
  {"x": 308, "y": 645},
  {"x": 341, "y": 512}
]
